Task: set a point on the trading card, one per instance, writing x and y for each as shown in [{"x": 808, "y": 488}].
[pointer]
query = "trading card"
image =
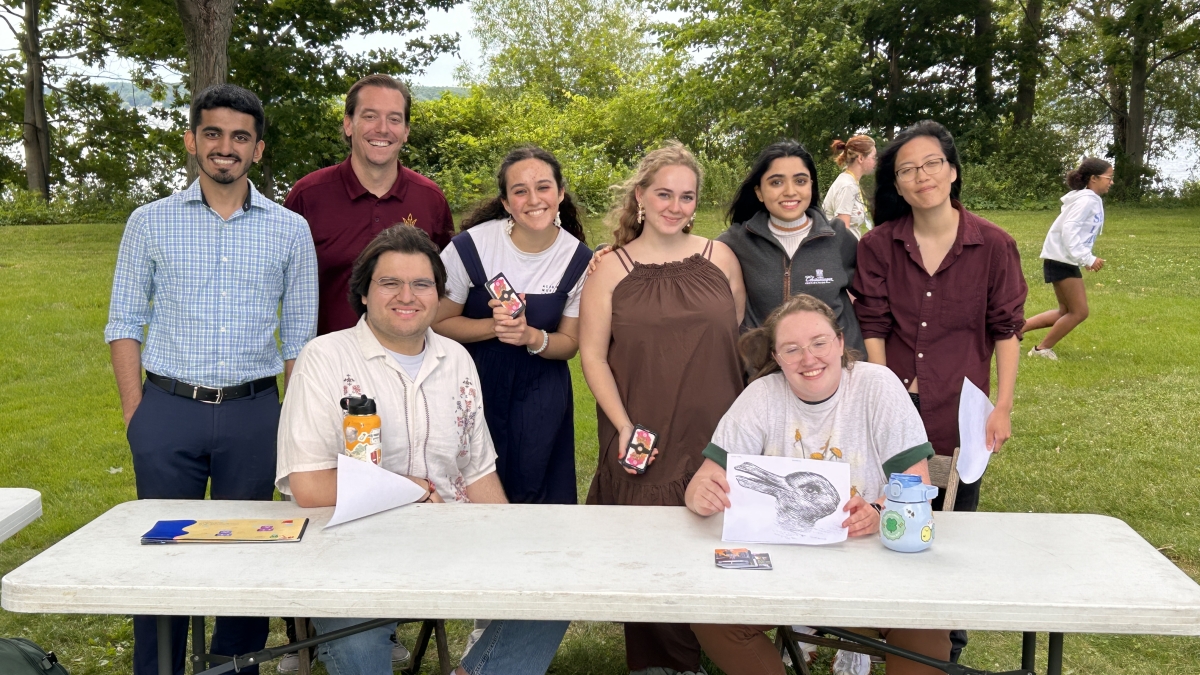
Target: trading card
[
  {"x": 742, "y": 559},
  {"x": 641, "y": 445},
  {"x": 499, "y": 288}
]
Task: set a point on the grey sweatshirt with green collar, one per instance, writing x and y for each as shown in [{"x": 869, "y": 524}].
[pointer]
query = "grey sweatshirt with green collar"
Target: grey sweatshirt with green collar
[{"x": 822, "y": 267}]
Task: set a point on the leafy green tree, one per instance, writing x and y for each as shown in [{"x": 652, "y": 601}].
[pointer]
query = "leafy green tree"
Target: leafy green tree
[{"x": 560, "y": 48}]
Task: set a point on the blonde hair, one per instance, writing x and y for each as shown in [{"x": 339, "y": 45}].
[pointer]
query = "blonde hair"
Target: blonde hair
[
  {"x": 622, "y": 219},
  {"x": 757, "y": 347},
  {"x": 845, "y": 152}
]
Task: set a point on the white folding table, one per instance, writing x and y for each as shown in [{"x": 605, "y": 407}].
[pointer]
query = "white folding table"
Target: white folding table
[
  {"x": 986, "y": 571},
  {"x": 18, "y": 508}
]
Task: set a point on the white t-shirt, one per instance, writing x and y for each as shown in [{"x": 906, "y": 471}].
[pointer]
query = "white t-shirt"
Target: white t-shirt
[
  {"x": 432, "y": 426},
  {"x": 870, "y": 422},
  {"x": 410, "y": 364},
  {"x": 845, "y": 197},
  {"x": 533, "y": 273},
  {"x": 791, "y": 240}
]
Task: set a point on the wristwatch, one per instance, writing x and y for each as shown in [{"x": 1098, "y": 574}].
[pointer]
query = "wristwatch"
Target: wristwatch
[{"x": 878, "y": 507}]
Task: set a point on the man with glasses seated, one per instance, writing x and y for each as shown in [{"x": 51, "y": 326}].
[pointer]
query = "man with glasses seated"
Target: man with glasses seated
[{"x": 433, "y": 431}]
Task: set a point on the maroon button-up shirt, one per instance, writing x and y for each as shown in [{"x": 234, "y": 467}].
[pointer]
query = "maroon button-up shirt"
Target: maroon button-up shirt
[
  {"x": 941, "y": 328},
  {"x": 344, "y": 218}
]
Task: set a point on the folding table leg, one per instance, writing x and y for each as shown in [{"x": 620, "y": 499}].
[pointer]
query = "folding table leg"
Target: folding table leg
[
  {"x": 443, "y": 647},
  {"x": 1028, "y": 650},
  {"x": 199, "y": 652},
  {"x": 165, "y": 662},
  {"x": 418, "y": 653},
  {"x": 1054, "y": 664},
  {"x": 303, "y": 656}
]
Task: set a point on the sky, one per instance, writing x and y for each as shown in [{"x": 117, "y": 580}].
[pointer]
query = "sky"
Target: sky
[{"x": 441, "y": 72}]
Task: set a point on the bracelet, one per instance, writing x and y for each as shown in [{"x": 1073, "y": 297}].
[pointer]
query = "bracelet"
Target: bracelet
[
  {"x": 539, "y": 350},
  {"x": 878, "y": 507}
]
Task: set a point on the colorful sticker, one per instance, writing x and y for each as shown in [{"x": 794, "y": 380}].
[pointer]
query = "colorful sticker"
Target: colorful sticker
[{"x": 892, "y": 525}]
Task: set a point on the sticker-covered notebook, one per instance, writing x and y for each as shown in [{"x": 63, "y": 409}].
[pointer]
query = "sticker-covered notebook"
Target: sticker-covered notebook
[{"x": 225, "y": 531}]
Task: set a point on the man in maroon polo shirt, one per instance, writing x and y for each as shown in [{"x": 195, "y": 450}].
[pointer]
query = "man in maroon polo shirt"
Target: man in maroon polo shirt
[{"x": 348, "y": 204}]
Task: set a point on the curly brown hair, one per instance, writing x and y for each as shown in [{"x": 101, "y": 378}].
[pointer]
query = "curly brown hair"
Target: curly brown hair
[{"x": 757, "y": 347}]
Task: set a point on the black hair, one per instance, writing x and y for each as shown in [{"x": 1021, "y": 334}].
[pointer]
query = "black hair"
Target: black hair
[
  {"x": 1090, "y": 166},
  {"x": 233, "y": 97},
  {"x": 400, "y": 238},
  {"x": 746, "y": 203},
  {"x": 493, "y": 209},
  {"x": 889, "y": 205}
]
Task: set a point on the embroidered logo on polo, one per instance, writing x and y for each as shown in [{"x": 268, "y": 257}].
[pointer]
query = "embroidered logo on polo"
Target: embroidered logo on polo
[
  {"x": 410, "y": 221},
  {"x": 818, "y": 279}
]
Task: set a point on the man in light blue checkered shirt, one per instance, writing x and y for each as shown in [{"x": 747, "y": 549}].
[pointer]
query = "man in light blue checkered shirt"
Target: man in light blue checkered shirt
[{"x": 205, "y": 277}]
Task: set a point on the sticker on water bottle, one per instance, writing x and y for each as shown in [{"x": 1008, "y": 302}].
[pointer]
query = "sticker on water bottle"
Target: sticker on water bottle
[{"x": 892, "y": 525}]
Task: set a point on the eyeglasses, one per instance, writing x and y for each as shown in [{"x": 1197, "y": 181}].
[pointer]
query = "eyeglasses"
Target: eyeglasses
[
  {"x": 790, "y": 354},
  {"x": 390, "y": 286},
  {"x": 933, "y": 166}
]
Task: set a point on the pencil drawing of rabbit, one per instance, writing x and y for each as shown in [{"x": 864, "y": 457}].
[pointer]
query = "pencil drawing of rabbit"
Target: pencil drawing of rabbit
[{"x": 801, "y": 498}]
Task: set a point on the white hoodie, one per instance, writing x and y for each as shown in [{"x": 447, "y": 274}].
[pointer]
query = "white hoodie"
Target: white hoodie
[{"x": 1074, "y": 232}]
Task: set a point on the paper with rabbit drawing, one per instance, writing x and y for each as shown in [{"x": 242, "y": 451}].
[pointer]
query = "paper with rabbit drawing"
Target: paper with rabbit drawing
[{"x": 786, "y": 500}]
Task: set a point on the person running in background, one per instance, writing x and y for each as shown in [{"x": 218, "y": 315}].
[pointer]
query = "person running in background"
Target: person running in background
[
  {"x": 1068, "y": 247},
  {"x": 845, "y": 200},
  {"x": 784, "y": 243},
  {"x": 658, "y": 345},
  {"x": 531, "y": 232}
]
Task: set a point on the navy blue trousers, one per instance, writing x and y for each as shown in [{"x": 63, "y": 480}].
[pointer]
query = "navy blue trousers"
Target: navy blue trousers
[{"x": 179, "y": 446}]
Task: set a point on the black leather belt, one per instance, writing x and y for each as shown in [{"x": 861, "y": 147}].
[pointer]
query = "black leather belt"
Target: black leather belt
[{"x": 210, "y": 394}]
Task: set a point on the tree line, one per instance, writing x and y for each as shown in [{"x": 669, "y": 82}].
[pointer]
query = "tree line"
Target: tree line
[{"x": 1025, "y": 85}]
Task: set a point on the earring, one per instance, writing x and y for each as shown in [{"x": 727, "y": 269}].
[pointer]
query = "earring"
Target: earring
[
  {"x": 508, "y": 227},
  {"x": 641, "y": 213},
  {"x": 557, "y": 220}
]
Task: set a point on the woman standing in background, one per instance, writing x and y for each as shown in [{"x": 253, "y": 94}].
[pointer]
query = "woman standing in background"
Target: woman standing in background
[
  {"x": 658, "y": 345},
  {"x": 1068, "y": 247},
  {"x": 845, "y": 200}
]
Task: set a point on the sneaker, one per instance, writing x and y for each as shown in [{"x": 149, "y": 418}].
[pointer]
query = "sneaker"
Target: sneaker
[
  {"x": 480, "y": 626},
  {"x": 1044, "y": 353},
  {"x": 400, "y": 656},
  {"x": 289, "y": 663},
  {"x": 851, "y": 663},
  {"x": 807, "y": 652}
]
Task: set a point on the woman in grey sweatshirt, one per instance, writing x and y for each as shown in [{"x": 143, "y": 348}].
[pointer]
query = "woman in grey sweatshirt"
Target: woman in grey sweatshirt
[{"x": 785, "y": 244}]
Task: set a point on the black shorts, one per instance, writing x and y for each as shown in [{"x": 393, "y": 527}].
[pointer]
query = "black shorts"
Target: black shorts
[{"x": 1054, "y": 271}]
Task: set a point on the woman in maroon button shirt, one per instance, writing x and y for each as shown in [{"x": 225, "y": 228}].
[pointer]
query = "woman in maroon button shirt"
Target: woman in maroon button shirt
[{"x": 939, "y": 290}]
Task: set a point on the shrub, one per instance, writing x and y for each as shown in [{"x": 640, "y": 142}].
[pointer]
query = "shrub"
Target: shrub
[
  {"x": 19, "y": 206},
  {"x": 1026, "y": 171}
]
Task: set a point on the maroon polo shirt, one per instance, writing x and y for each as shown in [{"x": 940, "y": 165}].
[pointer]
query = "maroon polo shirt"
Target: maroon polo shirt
[
  {"x": 344, "y": 218},
  {"x": 944, "y": 327}
]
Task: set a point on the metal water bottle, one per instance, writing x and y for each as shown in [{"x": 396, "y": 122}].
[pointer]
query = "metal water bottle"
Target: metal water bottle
[
  {"x": 361, "y": 427},
  {"x": 907, "y": 519}
]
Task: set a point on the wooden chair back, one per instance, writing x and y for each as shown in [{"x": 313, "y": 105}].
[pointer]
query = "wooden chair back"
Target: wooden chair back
[{"x": 943, "y": 472}]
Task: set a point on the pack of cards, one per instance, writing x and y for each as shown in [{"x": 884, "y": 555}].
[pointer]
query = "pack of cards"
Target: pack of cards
[
  {"x": 499, "y": 288},
  {"x": 641, "y": 445},
  {"x": 742, "y": 559}
]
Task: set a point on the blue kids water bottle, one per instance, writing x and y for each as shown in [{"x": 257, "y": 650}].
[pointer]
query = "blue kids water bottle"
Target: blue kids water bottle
[{"x": 907, "y": 519}]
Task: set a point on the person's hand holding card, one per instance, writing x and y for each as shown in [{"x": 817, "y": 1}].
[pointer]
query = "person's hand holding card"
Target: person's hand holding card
[
  {"x": 512, "y": 330},
  {"x": 637, "y": 449}
]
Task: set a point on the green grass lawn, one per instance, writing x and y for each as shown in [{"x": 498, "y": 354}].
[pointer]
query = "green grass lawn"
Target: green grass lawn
[{"x": 1104, "y": 430}]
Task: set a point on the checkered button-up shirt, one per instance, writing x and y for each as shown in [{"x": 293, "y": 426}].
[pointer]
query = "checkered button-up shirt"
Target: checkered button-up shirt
[{"x": 214, "y": 291}]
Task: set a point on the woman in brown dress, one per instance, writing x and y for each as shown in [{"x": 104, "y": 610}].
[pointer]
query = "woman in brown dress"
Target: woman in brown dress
[{"x": 658, "y": 343}]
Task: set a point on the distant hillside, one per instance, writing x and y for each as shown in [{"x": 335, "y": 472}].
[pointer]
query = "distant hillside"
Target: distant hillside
[
  {"x": 422, "y": 93},
  {"x": 140, "y": 98},
  {"x": 134, "y": 97}
]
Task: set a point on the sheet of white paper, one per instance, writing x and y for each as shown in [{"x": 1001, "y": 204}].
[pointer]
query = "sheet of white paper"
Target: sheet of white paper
[
  {"x": 364, "y": 489},
  {"x": 785, "y": 500},
  {"x": 973, "y": 454}
]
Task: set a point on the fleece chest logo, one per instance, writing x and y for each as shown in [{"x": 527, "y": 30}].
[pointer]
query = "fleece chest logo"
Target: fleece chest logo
[{"x": 818, "y": 279}]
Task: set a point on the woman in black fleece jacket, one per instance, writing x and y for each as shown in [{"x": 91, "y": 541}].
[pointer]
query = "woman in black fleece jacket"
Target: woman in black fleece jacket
[{"x": 785, "y": 244}]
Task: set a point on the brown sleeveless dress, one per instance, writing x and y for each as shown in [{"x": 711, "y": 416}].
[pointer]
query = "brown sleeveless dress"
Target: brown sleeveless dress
[{"x": 674, "y": 357}]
